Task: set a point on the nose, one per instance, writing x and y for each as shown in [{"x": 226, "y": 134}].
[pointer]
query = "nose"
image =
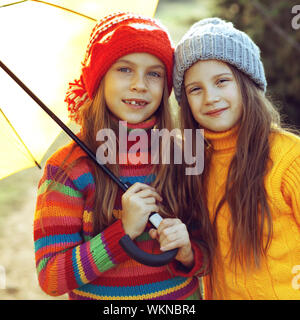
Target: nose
[
  {"x": 211, "y": 96},
  {"x": 138, "y": 83}
]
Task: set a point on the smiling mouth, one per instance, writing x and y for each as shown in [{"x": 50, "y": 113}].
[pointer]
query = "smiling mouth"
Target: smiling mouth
[
  {"x": 215, "y": 113},
  {"x": 135, "y": 103}
]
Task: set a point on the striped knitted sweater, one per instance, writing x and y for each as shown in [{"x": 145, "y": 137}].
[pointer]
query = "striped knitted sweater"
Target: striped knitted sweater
[{"x": 69, "y": 259}]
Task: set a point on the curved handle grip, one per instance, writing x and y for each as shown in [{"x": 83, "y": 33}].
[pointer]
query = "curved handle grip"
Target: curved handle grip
[{"x": 153, "y": 260}]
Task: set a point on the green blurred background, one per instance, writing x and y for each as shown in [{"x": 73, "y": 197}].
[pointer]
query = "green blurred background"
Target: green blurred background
[{"x": 269, "y": 23}]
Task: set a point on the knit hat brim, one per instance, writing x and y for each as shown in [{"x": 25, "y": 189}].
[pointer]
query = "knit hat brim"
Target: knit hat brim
[{"x": 124, "y": 41}]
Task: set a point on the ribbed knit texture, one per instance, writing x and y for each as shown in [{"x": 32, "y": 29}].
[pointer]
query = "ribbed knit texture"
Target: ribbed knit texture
[
  {"x": 213, "y": 38},
  {"x": 69, "y": 259},
  {"x": 273, "y": 280}
]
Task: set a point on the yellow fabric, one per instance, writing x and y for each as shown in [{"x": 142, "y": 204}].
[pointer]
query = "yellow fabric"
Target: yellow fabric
[{"x": 279, "y": 274}]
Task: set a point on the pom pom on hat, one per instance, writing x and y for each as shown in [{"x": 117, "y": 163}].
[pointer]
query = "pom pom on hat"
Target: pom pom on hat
[{"x": 76, "y": 96}]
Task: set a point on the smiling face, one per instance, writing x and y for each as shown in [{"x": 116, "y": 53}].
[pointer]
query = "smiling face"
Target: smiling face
[
  {"x": 213, "y": 95},
  {"x": 133, "y": 87}
]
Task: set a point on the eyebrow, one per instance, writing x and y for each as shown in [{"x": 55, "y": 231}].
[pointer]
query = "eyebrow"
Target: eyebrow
[
  {"x": 132, "y": 63},
  {"x": 215, "y": 76}
]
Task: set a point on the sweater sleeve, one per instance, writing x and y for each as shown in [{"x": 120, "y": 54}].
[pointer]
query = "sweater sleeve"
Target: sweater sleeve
[
  {"x": 64, "y": 261},
  {"x": 291, "y": 188},
  {"x": 198, "y": 268}
]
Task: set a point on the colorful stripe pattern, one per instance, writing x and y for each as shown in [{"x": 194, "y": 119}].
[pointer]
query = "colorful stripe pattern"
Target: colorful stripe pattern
[{"x": 69, "y": 259}]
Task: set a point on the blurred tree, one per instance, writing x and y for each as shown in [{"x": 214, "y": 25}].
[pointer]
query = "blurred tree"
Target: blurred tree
[
  {"x": 269, "y": 24},
  {"x": 179, "y": 15}
]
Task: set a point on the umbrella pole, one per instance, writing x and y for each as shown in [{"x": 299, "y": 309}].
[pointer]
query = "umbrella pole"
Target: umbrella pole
[{"x": 69, "y": 132}]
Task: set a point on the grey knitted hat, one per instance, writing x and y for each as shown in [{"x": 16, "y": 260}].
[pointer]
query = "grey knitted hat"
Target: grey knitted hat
[{"x": 214, "y": 38}]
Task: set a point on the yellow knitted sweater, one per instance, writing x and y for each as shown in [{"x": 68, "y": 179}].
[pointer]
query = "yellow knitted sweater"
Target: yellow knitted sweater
[{"x": 279, "y": 274}]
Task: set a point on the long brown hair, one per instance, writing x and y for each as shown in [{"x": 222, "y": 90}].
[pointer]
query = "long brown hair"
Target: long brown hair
[
  {"x": 245, "y": 192},
  {"x": 95, "y": 116}
]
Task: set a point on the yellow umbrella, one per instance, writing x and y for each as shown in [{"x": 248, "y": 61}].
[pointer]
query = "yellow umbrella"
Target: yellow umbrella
[{"x": 41, "y": 42}]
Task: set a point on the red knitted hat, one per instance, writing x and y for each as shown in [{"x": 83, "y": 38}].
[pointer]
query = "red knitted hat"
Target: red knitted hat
[{"x": 113, "y": 37}]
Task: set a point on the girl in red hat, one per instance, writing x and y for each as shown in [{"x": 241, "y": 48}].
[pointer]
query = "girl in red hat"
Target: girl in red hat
[{"x": 80, "y": 214}]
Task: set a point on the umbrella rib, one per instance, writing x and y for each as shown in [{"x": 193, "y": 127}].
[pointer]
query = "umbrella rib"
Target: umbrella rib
[
  {"x": 50, "y": 4},
  {"x": 13, "y": 3},
  {"x": 23, "y": 143},
  {"x": 63, "y": 8}
]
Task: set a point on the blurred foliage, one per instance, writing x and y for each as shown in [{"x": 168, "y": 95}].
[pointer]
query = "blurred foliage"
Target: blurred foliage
[
  {"x": 268, "y": 23},
  {"x": 179, "y": 15}
]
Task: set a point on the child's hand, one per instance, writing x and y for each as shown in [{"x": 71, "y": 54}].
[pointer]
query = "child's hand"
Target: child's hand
[
  {"x": 171, "y": 234},
  {"x": 137, "y": 204}
]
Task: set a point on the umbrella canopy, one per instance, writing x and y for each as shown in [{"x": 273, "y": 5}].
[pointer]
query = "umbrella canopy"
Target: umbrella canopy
[{"x": 43, "y": 43}]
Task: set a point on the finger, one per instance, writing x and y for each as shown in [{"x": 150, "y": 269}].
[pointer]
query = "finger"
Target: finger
[
  {"x": 152, "y": 208},
  {"x": 142, "y": 189},
  {"x": 147, "y": 193},
  {"x": 176, "y": 241},
  {"x": 176, "y": 232},
  {"x": 169, "y": 238},
  {"x": 138, "y": 186},
  {"x": 168, "y": 223},
  {"x": 171, "y": 245},
  {"x": 153, "y": 233},
  {"x": 149, "y": 200}
]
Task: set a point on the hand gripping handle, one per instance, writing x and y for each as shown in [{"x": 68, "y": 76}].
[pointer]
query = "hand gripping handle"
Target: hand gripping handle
[{"x": 153, "y": 260}]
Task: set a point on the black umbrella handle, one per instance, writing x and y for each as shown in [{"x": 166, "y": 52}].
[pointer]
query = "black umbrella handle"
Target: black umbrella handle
[
  {"x": 127, "y": 244},
  {"x": 148, "y": 259}
]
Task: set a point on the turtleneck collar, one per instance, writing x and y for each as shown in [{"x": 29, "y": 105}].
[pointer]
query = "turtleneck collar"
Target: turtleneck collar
[
  {"x": 143, "y": 147},
  {"x": 222, "y": 140}
]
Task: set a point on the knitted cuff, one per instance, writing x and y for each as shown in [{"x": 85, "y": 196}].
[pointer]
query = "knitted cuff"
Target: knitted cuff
[
  {"x": 109, "y": 241},
  {"x": 178, "y": 269}
]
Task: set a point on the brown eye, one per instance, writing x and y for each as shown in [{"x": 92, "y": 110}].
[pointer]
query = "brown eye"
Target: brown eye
[
  {"x": 194, "y": 90},
  {"x": 222, "y": 81}
]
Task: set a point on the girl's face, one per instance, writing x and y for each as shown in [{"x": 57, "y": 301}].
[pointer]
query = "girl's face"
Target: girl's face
[
  {"x": 213, "y": 95},
  {"x": 133, "y": 87}
]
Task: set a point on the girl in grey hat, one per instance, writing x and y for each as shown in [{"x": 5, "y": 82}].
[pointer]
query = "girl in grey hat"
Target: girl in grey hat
[{"x": 248, "y": 193}]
